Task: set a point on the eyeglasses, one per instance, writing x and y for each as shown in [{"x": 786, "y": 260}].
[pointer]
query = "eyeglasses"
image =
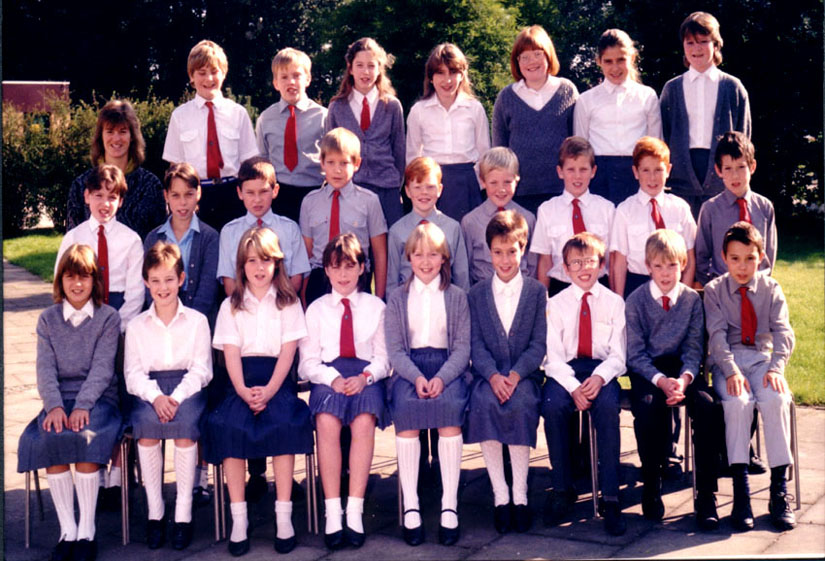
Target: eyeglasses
[
  {"x": 531, "y": 56},
  {"x": 577, "y": 264}
]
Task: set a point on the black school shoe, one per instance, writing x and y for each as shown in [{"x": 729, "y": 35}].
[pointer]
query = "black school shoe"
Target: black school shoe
[
  {"x": 448, "y": 536},
  {"x": 181, "y": 535},
  {"x": 201, "y": 497},
  {"x": 782, "y": 517},
  {"x": 334, "y": 540},
  {"x": 63, "y": 551},
  {"x": 502, "y": 518},
  {"x": 236, "y": 549},
  {"x": 413, "y": 536},
  {"x": 353, "y": 538},
  {"x": 652, "y": 506},
  {"x": 706, "y": 516},
  {"x": 155, "y": 533},
  {"x": 522, "y": 518},
  {"x": 284, "y": 545},
  {"x": 614, "y": 522},
  {"x": 741, "y": 517},
  {"x": 85, "y": 550},
  {"x": 558, "y": 505}
]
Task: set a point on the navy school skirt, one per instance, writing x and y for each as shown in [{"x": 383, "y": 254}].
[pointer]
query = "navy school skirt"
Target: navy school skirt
[
  {"x": 372, "y": 399},
  {"x": 461, "y": 192},
  {"x": 40, "y": 449},
  {"x": 186, "y": 424},
  {"x": 515, "y": 422},
  {"x": 231, "y": 430},
  {"x": 409, "y": 412}
]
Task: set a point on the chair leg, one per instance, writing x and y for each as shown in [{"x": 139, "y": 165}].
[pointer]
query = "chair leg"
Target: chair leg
[
  {"x": 124, "y": 490},
  {"x": 39, "y": 495},
  {"x": 312, "y": 494},
  {"x": 400, "y": 495},
  {"x": 690, "y": 455},
  {"x": 688, "y": 437},
  {"x": 220, "y": 514},
  {"x": 27, "y": 516},
  {"x": 795, "y": 451},
  {"x": 594, "y": 466}
]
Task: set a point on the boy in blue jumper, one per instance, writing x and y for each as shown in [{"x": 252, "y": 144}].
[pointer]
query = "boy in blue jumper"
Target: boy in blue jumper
[{"x": 664, "y": 353}]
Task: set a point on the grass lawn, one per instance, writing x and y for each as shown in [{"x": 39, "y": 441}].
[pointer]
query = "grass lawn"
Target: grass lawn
[{"x": 800, "y": 269}]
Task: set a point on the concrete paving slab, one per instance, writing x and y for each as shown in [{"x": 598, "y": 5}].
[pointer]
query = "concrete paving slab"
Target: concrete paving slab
[{"x": 805, "y": 539}]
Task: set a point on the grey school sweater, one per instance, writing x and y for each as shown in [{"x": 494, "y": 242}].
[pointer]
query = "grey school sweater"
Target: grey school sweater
[
  {"x": 535, "y": 136},
  {"x": 652, "y": 332},
  {"x": 77, "y": 362}
]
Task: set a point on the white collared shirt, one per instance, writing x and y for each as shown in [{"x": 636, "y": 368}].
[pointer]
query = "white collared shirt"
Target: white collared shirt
[
  {"x": 187, "y": 134},
  {"x": 260, "y": 328},
  {"x": 506, "y": 296},
  {"x": 537, "y": 99},
  {"x": 125, "y": 261},
  {"x": 608, "y": 334},
  {"x": 554, "y": 226},
  {"x": 633, "y": 224},
  {"x": 701, "y": 90},
  {"x": 152, "y": 346},
  {"x": 356, "y": 102},
  {"x": 456, "y": 135},
  {"x": 322, "y": 345},
  {"x": 613, "y": 117},
  {"x": 427, "y": 314},
  {"x": 75, "y": 316}
]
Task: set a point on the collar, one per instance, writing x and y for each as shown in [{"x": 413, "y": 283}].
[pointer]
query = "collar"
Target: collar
[
  {"x": 431, "y": 287},
  {"x": 568, "y": 197},
  {"x": 217, "y": 101},
  {"x": 346, "y": 190},
  {"x": 152, "y": 314},
  {"x": 508, "y": 288},
  {"x": 88, "y": 309},
  {"x": 673, "y": 295},
  {"x": 433, "y": 214},
  {"x": 730, "y": 198},
  {"x": 461, "y": 100},
  {"x": 612, "y": 88},
  {"x": 250, "y": 219},
  {"x": 491, "y": 209},
  {"x": 644, "y": 199},
  {"x": 594, "y": 291},
  {"x": 337, "y": 297},
  {"x": 166, "y": 228},
  {"x": 733, "y": 286},
  {"x": 107, "y": 227},
  {"x": 549, "y": 83},
  {"x": 271, "y": 293},
  {"x": 371, "y": 96},
  {"x": 301, "y": 105},
  {"x": 711, "y": 74}
]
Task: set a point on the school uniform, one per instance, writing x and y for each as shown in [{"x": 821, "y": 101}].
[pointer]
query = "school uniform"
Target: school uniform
[
  {"x": 75, "y": 370},
  {"x": 199, "y": 255},
  {"x": 697, "y": 109},
  {"x": 474, "y": 227},
  {"x": 322, "y": 361},
  {"x": 715, "y": 218},
  {"x": 668, "y": 343},
  {"x": 398, "y": 267},
  {"x": 232, "y": 430},
  {"x": 289, "y": 238},
  {"x": 270, "y": 131},
  {"x": 501, "y": 348},
  {"x": 566, "y": 368},
  {"x": 535, "y": 133},
  {"x": 187, "y": 139},
  {"x": 633, "y": 223},
  {"x": 428, "y": 334},
  {"x": 383, "y": 144},
  {"x": 556, "y": 224},
  {"x": 612, "y": 117},
  {"x": 768, "y": 348},
  {"x": 455, "y": 138},
  {"x": 173, "y": 360},
  {"x": 125, "y": 256}
]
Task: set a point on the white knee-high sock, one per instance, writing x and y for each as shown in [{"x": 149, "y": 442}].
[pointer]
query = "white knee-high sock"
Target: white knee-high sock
[
  {"x": 355, "y": 513},
  {"x": 239, "y": 521},
  {"x": 62, "y": 490},
  {"x": 449, "y": 455},
  {"x": 283, "y": 520},
  {"x": 493, "y": 457},
  {"x": 334, "y": 515},
  {"x": 87, "y": 485},
  {"x": 185, "y": 461},
  {"x": 151, "y": 466},
  {"x": 520, "y": 462},
  {"x": 408, "y": 451}
]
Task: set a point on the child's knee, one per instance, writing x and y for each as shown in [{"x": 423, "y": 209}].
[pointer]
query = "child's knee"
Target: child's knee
[{"x": 363, "y": 424}]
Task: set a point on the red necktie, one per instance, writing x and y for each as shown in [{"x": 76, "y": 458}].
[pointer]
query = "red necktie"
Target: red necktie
[
  {"x": 347, "y": 343},
  {"x": 500, "y": 209},
  {"x": 260, "y": 223},
  {"x": 744, "y": 214},
  {"x": 666, "y": 303},
  {"x": 334, "y": 215},
  {"x": 578, "y": 219},
  {"x": 214, "y": 160},
  {"x": 424, "y": 221},
  {"x": 656, "y": 215},
  {"x": 103, "y": 260},
  {"x": 748, "y": 318},
  {"x": 291, "y": 141},
  {"x": 585, "y": 329},
  {"x": 365, "y": 114}
]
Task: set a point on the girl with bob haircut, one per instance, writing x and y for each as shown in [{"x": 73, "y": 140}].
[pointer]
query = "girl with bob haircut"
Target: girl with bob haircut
[
  {"x": 428, "y": 342},
  {"x": 258, "y": 329},
  {"x": 450, "y": 125},
  {"x": 533, "y": 115},
  {"x": 80, "y": 423}
]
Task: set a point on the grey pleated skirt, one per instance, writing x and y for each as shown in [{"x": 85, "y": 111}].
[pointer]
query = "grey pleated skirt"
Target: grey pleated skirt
[
  {"x": 186, "y": 424},
  {"x": 515, "y": 422},
  {"x": 372, "y": 399}
]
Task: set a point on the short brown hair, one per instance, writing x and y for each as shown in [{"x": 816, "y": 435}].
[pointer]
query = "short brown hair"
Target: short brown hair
[
  {"x": 257, "y": 167},
  {"x": 162, "y": 253},
  {"x": 420, "y": 168},
  {"x": 107, "y": 174},
  {"x": 575, "y": 146},
  {"x": 533, "y": 38},
  {"x": 583, "y": 243},
  {"x": 736, "y": 145},
  {"x": 702, "y": 23},
  {"x": 744, "y": 233},
  {"x": 510, "y": 225},
  {"x": 433, "y": 236},
  {"x": 78, "y": 259},
  {"x": 118, "y": 112},
  {"x": 499, "y": 157},
  {"x": 343, "y": 248},
  {"x": 183, "y": 171},
  {"x": 667, "y": 245},
  {"x": 451, "y": 57},
  {"x": 287, "y": 56},
  {"x": 206, "y": 53},
  {"x": 653, "y": 147},
  {"x": 343, "y": 141}
]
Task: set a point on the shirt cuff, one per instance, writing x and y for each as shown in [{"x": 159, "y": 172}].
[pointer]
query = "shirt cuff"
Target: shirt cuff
[
  {"x": 691, "y": 374},
  {"x": 180, "y": 394},
  {"x": 328, "y": 375},
  {"x": 656, "y": 377},
  {"x": 150, "y": 394}
]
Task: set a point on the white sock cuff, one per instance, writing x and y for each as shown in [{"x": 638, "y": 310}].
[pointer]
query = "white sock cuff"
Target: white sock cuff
[
  {"x": 237, "y": 509},
  {"x": 333, "y": 506},
  {"x": 355, "y": 504},
  {"x": 61, "y": 476},
  {"x": 283, "y": 506},
  {"x": 80, "y": 476}
]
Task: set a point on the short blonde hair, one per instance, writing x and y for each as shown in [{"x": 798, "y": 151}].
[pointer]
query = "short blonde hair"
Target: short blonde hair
[
  {"x": 433, "y": 236},
  {"x": 343, "y": 141},
  {"x": 499, "y": 157},
  {"x": 287, "y": 56},
  {"x": 206, "y": 53},
  {"x": 666, "y": 245}
]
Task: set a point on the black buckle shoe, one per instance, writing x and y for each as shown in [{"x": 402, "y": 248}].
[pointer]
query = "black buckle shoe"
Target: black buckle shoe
[
  {"x": 353, "y": 538},
  {"x": 181, "y": 535},
  {"x": 236, "y": 549},
  {"x": 741, "y": 517},
  {"x": 522, "y": 518},
  {"x": 155, "y": 533},
  {"x": 448, "y": 536},
  {"x": 502, "y": 518},
  {"x": 558, "y": 505},
  {"x": 614, "y": 522},
  {"x": 782, "y": 517},
  {"x": 334, "y": 540},
  {"x": 413, "y": 536},
  {"x": 63, "y": 551},
  {"x": 85, "y": 550},
  {"x": 706, "y": 516}
]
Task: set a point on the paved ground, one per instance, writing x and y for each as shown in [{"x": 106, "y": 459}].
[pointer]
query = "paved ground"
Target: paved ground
[{"x": 25, "y": 296}]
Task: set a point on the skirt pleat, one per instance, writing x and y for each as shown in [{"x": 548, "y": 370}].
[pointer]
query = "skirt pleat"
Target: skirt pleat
[
  {"x": 186, "y": 424},
  {"x": 372, "y": 399},
  {"x": 514, "y": 422}
]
